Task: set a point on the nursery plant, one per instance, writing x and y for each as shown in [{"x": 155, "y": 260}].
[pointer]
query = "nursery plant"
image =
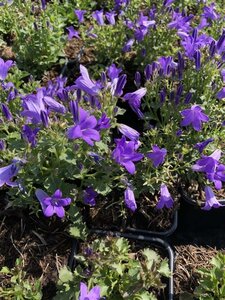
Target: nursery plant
[
  {"x": 79, "y": 150},
  {"x": 211, "y": 281},
  {"x": 115, "y": 143},
  {"x": 36, "y": 31},
  {"x": 19, "y": 287},
  {"x": 113, "y": 268}
]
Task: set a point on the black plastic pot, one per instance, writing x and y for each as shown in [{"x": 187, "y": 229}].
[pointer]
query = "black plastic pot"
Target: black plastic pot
[
  {"x": 193, "y": 218},
  {"x": 71, "y": 260},
  {"x": 152, "y": 240},
  {"x": 138, "y": 231},
  {"x": 163, "y": 234}
]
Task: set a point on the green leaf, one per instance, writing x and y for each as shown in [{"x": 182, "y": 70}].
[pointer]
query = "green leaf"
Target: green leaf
[
  {"x": 65, "y": 275},
  {"x": 102, "y": 187},
  {"x": 119, "y": 268},
  {"x": 151, "y": 257},
  {"x": 164, "y": 268},
  {"x": 120, "y": 111},
  {"x": 78, "y": 229},
  {"x": 75, "y": 232},
  {"x": 5, "y": 270}
]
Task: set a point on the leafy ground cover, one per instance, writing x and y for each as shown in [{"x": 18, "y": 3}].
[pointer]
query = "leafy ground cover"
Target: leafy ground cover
[{"x": 109, "y": 111}]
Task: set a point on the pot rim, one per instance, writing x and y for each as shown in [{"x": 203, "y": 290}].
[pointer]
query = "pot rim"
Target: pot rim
[
  {"x": 139, "y": 237},
  {"x": 195, "y": 203}
]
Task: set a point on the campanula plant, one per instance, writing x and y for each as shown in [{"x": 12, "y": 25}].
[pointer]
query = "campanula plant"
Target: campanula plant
[
  {"x": 211, "y": 282},
  {"x": 70, "y": 144},
  {"x": 183, "y": 109},
  {"x": 132, "y": 273},
  {"x": 38, "y": 34}
]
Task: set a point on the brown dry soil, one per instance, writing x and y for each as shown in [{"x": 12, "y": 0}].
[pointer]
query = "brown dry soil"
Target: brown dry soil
[
  {"x": 188, "y": 259},
  {"x": 43, "y": 245}
]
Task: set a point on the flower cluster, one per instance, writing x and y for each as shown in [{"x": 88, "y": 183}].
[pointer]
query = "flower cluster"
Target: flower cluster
[{"x": 97, "y": 135}]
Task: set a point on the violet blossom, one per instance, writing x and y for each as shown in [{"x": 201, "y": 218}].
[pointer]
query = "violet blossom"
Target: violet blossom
[
  {"x": 167, "y": 3},
  {"x": 148, "y": 72},
  {"x": 137, "y": 79},
  {"x": 80, "y": 14},
  {"x": 119, "y": 4},
  {"x": 86, "y": 84},
  {"x": 203, "y": 23},
  {"x": 113, "y": 72},
  {"x": 191, "y": 43},
  {"x": 98, "y": 16},
  {"x": 221, "y": 94},
  {"x": 210, "y": 13},
  {"x": 44, "y": 118},
  {"x": 6, "y": 112},
  {"x": 33, "y": 106},
  {"x": 7, "y": 173},
  {"x": 74, "y": 108},
  {"x": 197, "y": 57},
  {"x": 210, "y": 200},
  {"x": 128, "y": 45},
  {"x": 30, "y": 135},
  {"x": 84, "y": 128},
  {"x": 52, "y": 204},
  {"x": 110, "y": 16},
  {"x": 157, "y": 155},
  {"x": 51, "y": 103},
  {"x": 125, "y": 154},
  {"x": 4, "y": 68},
  {"x": 134, "y": 100},
  {"x": 89, "y": 196},
  {"x": 201, "y": 146},
  {"x": 207, "y": 164},
  {"x": 129, "y": 199},
  {"x": 129, "y": 132},
  {"x": 103, "y": 122},
  {"x": 142, "y": 26},
  {"x": 165, "y": 199},
  {"x": 167, "y": 64},
  {"x": 180, "y": 22},
  {"x": 72, "y": 33},
  {"x": 220, "y": 45},
  {"x": 117, "y": 85},
  {"x": 218, "y": 176},
  {"x": 223, "y": 75},
  {"x": 93, "y": 294},
  {"x": 2, "y": 145},
  {"x": 194, "y": 116}
]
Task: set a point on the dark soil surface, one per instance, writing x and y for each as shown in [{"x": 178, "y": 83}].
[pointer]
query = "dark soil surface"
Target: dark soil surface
[
  {"x": 107, "y": 214},
  {"x": 43, "y": 246}
]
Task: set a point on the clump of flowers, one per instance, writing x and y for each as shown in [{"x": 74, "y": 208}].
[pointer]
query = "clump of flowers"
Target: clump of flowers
[{"x": 75, "y": 140}]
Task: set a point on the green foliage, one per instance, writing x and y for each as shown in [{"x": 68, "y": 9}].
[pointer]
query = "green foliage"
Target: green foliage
[
  {"x": 212, "y": 281},
  {"x": 38, "y": 35},
  {"x": 108, "y": 37},
  {"x": 166, "y": 117},
  {"x": 19, "y": 287},
  {"x": 121, "y": 274}
]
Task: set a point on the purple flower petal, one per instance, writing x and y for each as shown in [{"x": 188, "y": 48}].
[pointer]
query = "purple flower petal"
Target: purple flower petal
[
  {"x": 60, "y": 211},
  {"x": 130, "y": 199},
  {"x": 49, "y": 211},
  {"x": 211, "y": 200},
  {"x": 165, "y": 199}
]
